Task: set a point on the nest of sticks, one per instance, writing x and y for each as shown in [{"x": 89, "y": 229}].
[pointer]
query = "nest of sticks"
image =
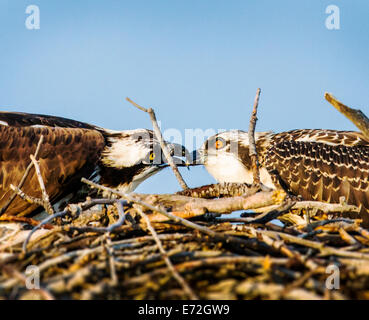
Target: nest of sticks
[{"x": 183, "y": 246}]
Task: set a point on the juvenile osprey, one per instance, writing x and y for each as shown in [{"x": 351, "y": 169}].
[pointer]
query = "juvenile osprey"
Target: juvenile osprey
[
  {"x": 71, "y": 150},
  {"x": 321, "y": 165}
]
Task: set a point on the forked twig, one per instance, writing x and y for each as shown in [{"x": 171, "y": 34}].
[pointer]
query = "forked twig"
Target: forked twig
[
  {"x": 45, "y": 197},
  {"x": 26, "y": 197},
  {"x": 163, "y": 145}
]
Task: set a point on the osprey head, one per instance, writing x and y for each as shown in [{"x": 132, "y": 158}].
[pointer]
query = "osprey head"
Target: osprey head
[
  {"x": 131, "y": 156},
  {"x": 226, "y": 155}
]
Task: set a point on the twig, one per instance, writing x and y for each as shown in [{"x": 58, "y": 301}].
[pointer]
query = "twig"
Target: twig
[
  {"x": 188, "y": 207},
  {"x": 264, "y": 217},
  {"x": 187, "y": 223},
  {"x": 23, "y": 180},
  {"x": 112, "y": 227},
  {"x": 26, "y": 197},
  {"x": 326, "y": 207},
  {"x": 29, "y": 221},
  {"x": 45, "y": 197},
  {"x": 169, "y": 215},
  {"x": 21, "y": 277},
  {"x": 75, "y": 210},
  {"x": 171, "y": 268},
  {"x": 357, "y": 117},
  {"x": 252, "y": 148},
  {"x": 110, "y": 251},
  {"x": 216, "y": 261},
  {"x": 150, "y": 207},
  {"x": 42, "y": 223},
  {"x": 163, "y": 145},
  {"x": 324, "y": 250},
  {"x": 224, "y": 189}
]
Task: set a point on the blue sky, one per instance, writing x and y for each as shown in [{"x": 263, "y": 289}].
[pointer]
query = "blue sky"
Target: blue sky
[{"x": 198, "y": 63}]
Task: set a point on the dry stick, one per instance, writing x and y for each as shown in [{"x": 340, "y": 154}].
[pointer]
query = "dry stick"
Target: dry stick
[
  {"x": 252, "y": 147},
  {"x": 29, "y": 221},
  {"x": 173, "y": 217},
  {"x": 45, "y": 197},
  {"x": 324, "y": 250},
  {"x": 171, "y": 268},
  {"x": 326, "y": 207},
  {"x": 224, "y": 189},
  {"x": 25, "y": 175},
  {"x": 26, "y": 197},
  {"x": 355, "y": 116},
  {"x": 213, "y": 261},
  {"x": 112, "y": 227},
  {"x": 169, "y": 215},
  {"x": 74, "y": 209},
  {"x": 264, "y": 217},
  {"x": 297, "y": 283},
  {"x": 110, "y": 251},
  {"x": 16, "y": 275},
  {"x": 42, "y": 223},
  {"x": 163, "y": 145}
]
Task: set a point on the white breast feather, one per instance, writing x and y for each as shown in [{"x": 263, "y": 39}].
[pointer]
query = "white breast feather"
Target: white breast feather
[{"x": 226, "y": 168}]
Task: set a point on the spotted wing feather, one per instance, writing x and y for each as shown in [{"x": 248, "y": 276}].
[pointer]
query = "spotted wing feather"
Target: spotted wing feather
[{"x": 321, "y": 171}]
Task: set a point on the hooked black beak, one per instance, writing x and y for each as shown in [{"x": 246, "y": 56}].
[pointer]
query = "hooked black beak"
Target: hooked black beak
[
  {"x": 197, "y": 158},
  {"x": 178, "y": 152}
]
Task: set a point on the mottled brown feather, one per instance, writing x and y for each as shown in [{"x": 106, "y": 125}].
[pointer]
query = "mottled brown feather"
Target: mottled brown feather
[
  {"x": 336, "y": 165},
  {"x": 65, "y": 156}
]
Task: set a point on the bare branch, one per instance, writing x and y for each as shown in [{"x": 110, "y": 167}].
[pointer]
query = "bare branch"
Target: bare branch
[
  {"x": 163, "y": 145},
  {"x": 252, "y": 147},
  {"x": 189, "y": 207},
  {"x": 45, "y": 197},
  {"x": 326, "y": 207},
  {"x": 265, "y": 217},
  {"x": 26, "y": 197},
  {"x": 225, "y": 189}
]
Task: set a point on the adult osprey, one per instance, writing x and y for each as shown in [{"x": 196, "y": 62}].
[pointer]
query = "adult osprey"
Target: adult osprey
[
  {"x": 71, "y": 150},
  {"x": 321, "y": 165}
]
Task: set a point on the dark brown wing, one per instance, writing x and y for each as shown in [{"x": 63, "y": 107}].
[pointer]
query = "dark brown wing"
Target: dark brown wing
[
  {"x": 322, "y": 172},
  {"x": 65, "y": 155},
  {"x": 19, "y": 119}
]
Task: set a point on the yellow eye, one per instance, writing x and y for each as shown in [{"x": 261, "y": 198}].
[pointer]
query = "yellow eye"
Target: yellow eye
[
  {"x": 152, "y": 156},
  {"x": 218, "y": 144}
]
